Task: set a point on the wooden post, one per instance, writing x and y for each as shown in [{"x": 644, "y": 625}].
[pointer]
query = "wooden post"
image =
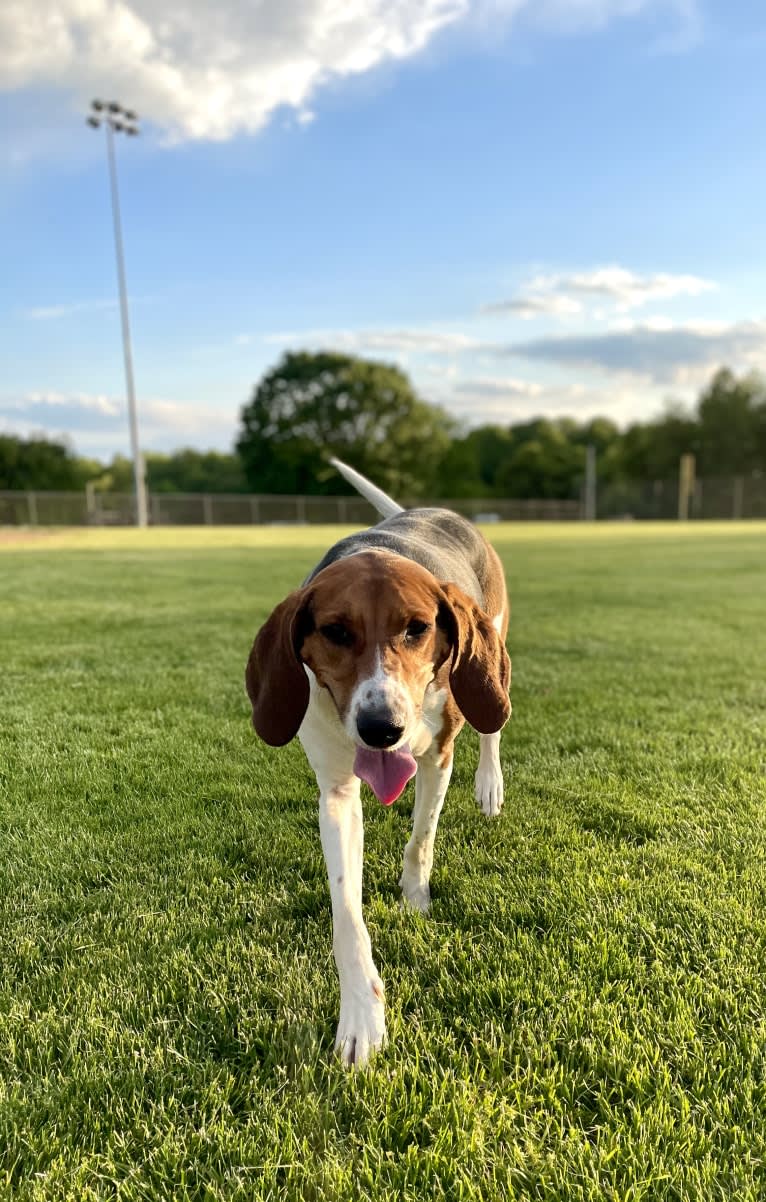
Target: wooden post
[
  {"x": 207, "y": 509},
  {"x": 736, "y": 505},
  {"x": 32, "y": 507},
  {"x": 255, "y": 511},
  {"x": 685, "y": 485}
]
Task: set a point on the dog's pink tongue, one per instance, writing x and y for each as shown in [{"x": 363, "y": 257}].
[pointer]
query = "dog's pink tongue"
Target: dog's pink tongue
[{"x": 386, "y": 772}]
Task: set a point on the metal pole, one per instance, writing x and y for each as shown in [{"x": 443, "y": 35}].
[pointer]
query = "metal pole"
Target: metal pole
[{"x": 138, "y": 463}]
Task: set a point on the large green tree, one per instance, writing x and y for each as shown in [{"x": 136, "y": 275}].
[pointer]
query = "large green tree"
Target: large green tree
[
  {"x": 186, "y": 470},
  {"x": 42, "y": 463},
  {"x": 545, "y": 460},
  {"x": 470, "y": 466},
  {"x": 189, "y": 470},
  {"x": 732, "y": 425},
  {"x": 311, "y": 406}
]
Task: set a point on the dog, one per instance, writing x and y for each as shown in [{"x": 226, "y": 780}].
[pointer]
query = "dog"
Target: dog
[{"x": 394, "y": 640}]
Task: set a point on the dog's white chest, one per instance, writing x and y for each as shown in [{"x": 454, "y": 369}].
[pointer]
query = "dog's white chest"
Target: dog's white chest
[{"x": 430, "y": 720}]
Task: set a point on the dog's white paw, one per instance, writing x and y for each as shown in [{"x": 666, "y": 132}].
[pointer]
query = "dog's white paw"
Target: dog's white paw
[
  {"x": 362, "y": 1024},
  {"x": 489, "y": 790},
  {"x": 415, "y": 892}
]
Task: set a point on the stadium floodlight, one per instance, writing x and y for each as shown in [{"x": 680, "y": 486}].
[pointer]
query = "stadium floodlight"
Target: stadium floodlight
[{"x": 116, "y": 119}]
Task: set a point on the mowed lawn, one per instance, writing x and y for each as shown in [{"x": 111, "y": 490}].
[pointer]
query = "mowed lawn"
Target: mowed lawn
[{"x": 583, "y": 1015}]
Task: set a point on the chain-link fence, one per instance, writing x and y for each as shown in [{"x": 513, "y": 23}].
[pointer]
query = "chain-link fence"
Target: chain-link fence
[
  {"x": 37, "y": 508},
  {"x": 712, "y": 497},
  {"x": 733, "y": 497}
]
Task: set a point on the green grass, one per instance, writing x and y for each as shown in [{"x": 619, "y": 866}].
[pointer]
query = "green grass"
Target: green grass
[{"x": 583, "y": 1015}]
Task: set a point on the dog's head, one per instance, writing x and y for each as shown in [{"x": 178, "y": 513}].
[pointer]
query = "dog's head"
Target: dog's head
[{"x": 375, "y": 629}]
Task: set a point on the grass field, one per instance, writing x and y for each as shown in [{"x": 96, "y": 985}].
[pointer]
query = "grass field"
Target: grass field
[{"x": 583, "y": 1015}]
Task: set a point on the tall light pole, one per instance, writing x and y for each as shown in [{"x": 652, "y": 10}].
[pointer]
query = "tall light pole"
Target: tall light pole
[{"x": 116, "y": 119}]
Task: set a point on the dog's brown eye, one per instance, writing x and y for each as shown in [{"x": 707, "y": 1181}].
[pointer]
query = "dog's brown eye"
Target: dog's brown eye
[
  {"x": 336, "y": 633},
  {"x": 415, "y": 630}
]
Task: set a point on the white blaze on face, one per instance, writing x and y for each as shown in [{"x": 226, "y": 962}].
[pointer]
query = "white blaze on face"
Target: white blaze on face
[{"x": 380, "y": 692}]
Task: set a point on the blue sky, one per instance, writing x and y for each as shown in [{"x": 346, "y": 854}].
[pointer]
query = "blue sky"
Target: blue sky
[{"x": 534, "y": 206}]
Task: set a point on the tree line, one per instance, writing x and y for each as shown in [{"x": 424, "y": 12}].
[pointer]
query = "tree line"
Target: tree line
[{"x": 311, "y": 405}]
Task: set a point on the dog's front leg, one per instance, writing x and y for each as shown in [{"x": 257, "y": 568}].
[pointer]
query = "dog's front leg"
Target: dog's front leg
[
  {"x": 362, "y": 1025},
  {"x": 489, "y": 776},
  {"x": 434, "y": 772}
]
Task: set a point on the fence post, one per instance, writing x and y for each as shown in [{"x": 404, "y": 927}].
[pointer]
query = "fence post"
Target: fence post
[
  {"x": 736, "y": 505},
  {"x": 32, "y": 507},
  {"x": 207, "y": 509},
  {"x": 255, "y": 511},
  {"x": 590, "y": 483},
  {"x": 90, "y": 502},
  {"x": 696, "y": 499},
  {"x": 342, "y": 509},
  {"x": 685, "y": 485},
  {"x": 300, "y": 510}
]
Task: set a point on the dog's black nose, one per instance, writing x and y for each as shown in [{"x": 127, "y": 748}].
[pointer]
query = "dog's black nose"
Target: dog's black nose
[{"x": 377, "y": 729}]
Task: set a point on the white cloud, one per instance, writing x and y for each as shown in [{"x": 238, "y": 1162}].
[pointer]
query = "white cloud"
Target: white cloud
[
  {"x": 395, "y": 342},
  {"x": 100, "y": 422},
  {"x": 210, "y": 71},
  {"x": 173, "y": 419},
  {"x": 50, "y": 312},
  {"x": 32, "y": 403},
  {"x": 626, "y": 288},
  {"x": 562, "y": 295},
  {"x": 498, "y": 386},
  {"x": 480, "y": 401},
  {"x": 685, "y": 353},
  {"x": 74, "y": 308},
  {"x": 574, "y": 16},
  {"x": 531, "y": 305}
]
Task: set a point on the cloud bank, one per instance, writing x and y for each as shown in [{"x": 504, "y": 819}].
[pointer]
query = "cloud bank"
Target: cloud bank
[{"x": 212, "y": 71}]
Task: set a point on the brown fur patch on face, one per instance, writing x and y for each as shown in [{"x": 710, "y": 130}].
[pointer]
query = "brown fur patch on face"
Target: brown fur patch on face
[{"x": 369, "y": 603}]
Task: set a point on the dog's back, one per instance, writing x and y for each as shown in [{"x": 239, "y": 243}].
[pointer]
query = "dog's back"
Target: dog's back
[
  {"x": 443, "y": 542},
  {"x": 446, "y": 544}
]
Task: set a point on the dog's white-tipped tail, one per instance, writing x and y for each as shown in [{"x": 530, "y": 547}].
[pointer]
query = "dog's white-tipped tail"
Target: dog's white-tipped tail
[{"x": 385, "y": 506}]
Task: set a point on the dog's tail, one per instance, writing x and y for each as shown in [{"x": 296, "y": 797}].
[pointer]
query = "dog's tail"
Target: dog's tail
[{"x": 385, "y": 506}]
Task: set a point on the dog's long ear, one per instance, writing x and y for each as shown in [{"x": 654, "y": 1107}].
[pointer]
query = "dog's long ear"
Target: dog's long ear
[
  {"x": 480, "y": 675},
  {"x": 276, "y": 681}
]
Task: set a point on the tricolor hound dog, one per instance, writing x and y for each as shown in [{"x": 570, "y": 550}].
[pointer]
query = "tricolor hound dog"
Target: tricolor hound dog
[{"x": 394, "y": 640}]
